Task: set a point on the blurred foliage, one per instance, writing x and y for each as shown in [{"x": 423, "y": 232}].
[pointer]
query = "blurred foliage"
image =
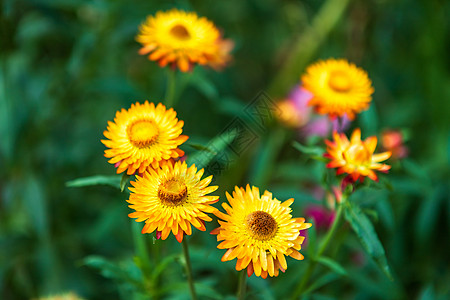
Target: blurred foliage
[{"x": 67, "y": 66}]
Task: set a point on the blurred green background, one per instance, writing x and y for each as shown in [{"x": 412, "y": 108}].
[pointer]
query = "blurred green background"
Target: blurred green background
[{"x": 67, "y": 66}]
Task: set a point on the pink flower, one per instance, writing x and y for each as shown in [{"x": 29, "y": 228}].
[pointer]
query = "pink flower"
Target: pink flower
[
  {"x": 322, "y": 126},
  {"x": 295, "y": 112},
  {"x": 323, "y": 218}
]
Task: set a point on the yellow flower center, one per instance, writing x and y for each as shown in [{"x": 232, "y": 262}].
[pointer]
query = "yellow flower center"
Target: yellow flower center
[
  {"x": 261, "y": 225},
  {"x": 339, "y": 81},
  {"x": 142, "y": 133},
  {"x": 180, "y": 32},
  {"x": 357, "y": 154},
  {"x": 173, "y": 192}
]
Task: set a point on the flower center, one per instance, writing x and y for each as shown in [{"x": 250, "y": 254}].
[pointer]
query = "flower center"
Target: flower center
[
  {"x": 180, "y": 32},
  {"x": 173, "y": 192},
  {"x": 142, "y": 133},
  {"x": 261, "y": 224},
  {"x": 357, "y": 154},
  {"x": 339, "y": 81}
]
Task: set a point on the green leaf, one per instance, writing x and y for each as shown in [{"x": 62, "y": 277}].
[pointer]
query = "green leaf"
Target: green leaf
[
  {"x": 313, "y": 151},
  {"x": 112, "y": 270},
  {"x": 201, "y": 147},
  {"x": 202, "y": 158},
  {"x": 204, "y": 85},
  {"x": 367, "y": 236},
  {"x": 124, "y": 181},
  {"x": 428, "y": 293},
  {"x": 319, "y": 158},
  {"x": 371, "y": 213},
  {"x": 333, "y": 265},
  {"x": 95, "y": 180}
]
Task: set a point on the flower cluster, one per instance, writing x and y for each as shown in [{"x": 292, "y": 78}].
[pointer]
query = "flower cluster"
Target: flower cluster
[
  {"x": 170, "y": 196},
  {"x": 167, "y": 195},
  {"x": 339, "y": 90}
]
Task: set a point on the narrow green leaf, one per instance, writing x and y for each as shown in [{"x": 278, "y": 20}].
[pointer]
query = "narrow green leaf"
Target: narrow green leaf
[
  {"x": 201, "y": 147},
  {"x": 124, "y": 181},
  {"x": 202, "y": 158},
  {"x": 371, "y": 213},
  {"x": 319, "y": 158},
  {"x": 125, "y": 272},
  {"x": 204, "y": 85},
  {"x": 313, "y": 151},
  {"x": 367, "y": 236},
  {"x": 333, "y": 265},
  {"x": 428, "y": 293},
  {"x": 95, "y": 180}
]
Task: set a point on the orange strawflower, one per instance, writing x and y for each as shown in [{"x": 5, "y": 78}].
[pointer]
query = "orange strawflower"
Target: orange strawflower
[
  {"x": 356, "y": 157},
  {"x": 143, "y": 136},
  {"x": 339, "y": 88},
  {"x": 171, "y": 199},
  {"x": 259, "y": 231},
  {"x": 182, "y": 39}
]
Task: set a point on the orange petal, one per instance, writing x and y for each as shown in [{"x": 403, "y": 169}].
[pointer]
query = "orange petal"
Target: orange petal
[
  {"x": 381, "y": 156},
  {"x": 356, "y": 136}
]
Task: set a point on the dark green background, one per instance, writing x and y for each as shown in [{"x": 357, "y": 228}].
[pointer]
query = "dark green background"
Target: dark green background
[{"x": 67, "y": 66}]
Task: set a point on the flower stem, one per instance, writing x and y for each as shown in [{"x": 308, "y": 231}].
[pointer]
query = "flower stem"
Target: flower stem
[
  {"x": 242, "y": 285},
  {"x": 322, "y": 248},
  {"x": 189, "y": 269},
  {"x": 307, "y": 45},
  {"x": 170, "y": 91}
]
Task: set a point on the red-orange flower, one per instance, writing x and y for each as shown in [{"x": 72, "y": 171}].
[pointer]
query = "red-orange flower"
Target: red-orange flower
[{"x": 356, "y": 157}]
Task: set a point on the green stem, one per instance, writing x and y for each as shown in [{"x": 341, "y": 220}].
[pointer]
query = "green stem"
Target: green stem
[
  {"x": 307, "y": 45},
  {"x": 325, "y": 242},
  {"x": 189, "y": 269},
  {"x": 242, "y": 285},
  {"x": 170, "y": 91},
  {"x": 141, "y": 247},
  {"x": 322, "y": 248}
]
